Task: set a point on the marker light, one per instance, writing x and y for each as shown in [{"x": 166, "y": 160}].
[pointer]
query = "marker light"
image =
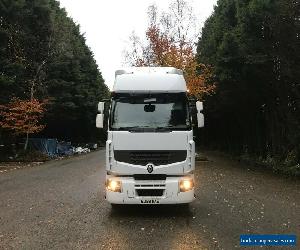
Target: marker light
[
  {"x": 113, "y": 185},
  {"x": 186, "y": 184}
]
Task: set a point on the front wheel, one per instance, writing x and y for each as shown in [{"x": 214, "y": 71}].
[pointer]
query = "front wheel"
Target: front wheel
[
  {"x": 115, "y": 207},
  {"x": 184, "y": 207}
]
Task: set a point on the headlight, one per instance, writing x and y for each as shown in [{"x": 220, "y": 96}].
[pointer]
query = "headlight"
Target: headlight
[
  {"x": 114, "y": 185},
  {"x": 186, "y": 184}
]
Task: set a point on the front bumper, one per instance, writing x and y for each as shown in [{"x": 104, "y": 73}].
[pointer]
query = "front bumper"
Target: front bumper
[{"x": 130, "y": 192}]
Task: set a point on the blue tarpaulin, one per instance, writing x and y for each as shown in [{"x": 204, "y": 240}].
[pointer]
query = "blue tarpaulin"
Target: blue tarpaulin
[
  {"x": 65, "y": 148},
  {"x": 46, "y": 146}
]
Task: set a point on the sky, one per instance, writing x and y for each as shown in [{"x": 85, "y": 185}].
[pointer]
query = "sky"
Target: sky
[{"x": 107, "y": 25}]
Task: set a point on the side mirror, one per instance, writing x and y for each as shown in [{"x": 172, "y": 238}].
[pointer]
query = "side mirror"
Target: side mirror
[
  {"x": 99, "y": 120},
  {"x": 200, "y": 116},
  {"x": 101, "y": 107},
  {"x": 100, "y": 117},
  {"x": 199, "y": 106}
]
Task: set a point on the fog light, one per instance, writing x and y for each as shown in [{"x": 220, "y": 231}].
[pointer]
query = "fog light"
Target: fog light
[
  {"x": 186, "y": 185},
  {"x": 113, "y": 185}
]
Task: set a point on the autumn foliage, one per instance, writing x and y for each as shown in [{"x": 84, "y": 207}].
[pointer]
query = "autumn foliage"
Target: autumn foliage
[
  {"x": 166, "y": 52},
  {"x": 169, "y": 45},
  {"x": 22, "y": 116}
]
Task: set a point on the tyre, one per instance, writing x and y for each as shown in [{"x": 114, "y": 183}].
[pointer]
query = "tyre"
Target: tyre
[
  {"x": 185, "y": 206},
  {"x": 115, "y": 207}
]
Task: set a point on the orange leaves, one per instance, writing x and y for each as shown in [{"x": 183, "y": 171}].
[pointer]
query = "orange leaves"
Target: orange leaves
[
  {"x": 159, "y": 45},
  {"x": 199, "y": 84},
  {"x": 22, "y": 116},
  {"x": 171, "y": 38},
  {"x": 164, "y": 51}
]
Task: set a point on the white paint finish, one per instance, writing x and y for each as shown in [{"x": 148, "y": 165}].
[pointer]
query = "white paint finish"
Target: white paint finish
[
  {"x": 178, "y": 168},
  {"x": 101, "y": 107},
  {"x": 199, "y": 106},
  {"x": 128, "y": 194},
  {"x": 109, "y": 154},
  {"x": 200, "y": 118},
  {"x": 149, "y": 79},
  {"x": 176, "y": 140},
  {"x": 191, "y": 156},
  {"x": 99, "y": 120},
  {"x": 136, "y": 70}
]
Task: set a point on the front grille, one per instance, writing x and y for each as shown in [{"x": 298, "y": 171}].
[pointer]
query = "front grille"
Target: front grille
[
  {"x": 155, "y": 157},
  {"x": 150, "y": 192}
]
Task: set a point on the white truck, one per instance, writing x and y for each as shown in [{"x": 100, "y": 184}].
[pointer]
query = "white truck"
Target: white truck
[{"x": 150, "y": 151}]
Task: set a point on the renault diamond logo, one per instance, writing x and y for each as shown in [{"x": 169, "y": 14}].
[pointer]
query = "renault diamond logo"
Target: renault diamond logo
[{"x": 150, "y": 168}]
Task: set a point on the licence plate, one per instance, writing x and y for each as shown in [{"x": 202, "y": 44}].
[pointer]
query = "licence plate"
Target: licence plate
[{"x": 149, "y": 201}]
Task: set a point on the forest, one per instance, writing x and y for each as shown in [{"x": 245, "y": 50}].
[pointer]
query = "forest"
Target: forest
[
  {"x": 244, "y": 64},
  {"x": 253, "y": 47},
  {"x": 50, "y": 83}
]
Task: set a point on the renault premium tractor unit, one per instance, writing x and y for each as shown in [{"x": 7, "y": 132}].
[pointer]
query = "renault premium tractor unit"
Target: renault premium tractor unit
[{"x": 150, "y": 151}]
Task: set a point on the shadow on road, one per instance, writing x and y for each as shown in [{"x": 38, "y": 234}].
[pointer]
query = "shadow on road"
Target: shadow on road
[{"x": 156, "y": 211}]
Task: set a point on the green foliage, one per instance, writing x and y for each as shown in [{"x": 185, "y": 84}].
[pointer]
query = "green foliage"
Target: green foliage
[
  {"x": 43, "y": 54},
  {"x": 254, "y": 48}
]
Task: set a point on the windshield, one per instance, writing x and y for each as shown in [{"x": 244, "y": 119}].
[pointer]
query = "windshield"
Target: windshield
[{"x": 150, "y": 112}]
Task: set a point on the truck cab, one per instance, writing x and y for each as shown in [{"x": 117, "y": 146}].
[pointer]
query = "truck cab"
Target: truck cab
[{"x": 150, "y": 151}]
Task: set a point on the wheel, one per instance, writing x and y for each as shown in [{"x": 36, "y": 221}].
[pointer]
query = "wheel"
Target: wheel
[
  {"x": 115, "y": 207},
  {"x": 185, "y": 207}
]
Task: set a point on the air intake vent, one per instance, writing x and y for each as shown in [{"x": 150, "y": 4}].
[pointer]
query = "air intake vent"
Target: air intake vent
[{"x": 155, "y": 157}]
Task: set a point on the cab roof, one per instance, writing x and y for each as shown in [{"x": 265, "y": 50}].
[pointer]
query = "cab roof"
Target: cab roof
[{"x": 149, "y": 79}]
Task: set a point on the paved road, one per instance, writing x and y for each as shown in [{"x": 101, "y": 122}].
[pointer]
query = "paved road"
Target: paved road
[{"x": 60, "y": 205}]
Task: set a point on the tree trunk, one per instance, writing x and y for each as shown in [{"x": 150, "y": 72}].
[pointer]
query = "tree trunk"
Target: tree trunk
[{"x": 26, "y": 143}]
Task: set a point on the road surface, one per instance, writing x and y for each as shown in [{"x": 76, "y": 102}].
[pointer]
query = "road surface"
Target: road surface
[{"x": 60, "y": 205}]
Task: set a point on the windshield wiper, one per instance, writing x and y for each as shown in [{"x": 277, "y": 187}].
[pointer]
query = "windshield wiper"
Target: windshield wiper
[
  {"x": 150, "y": 129},
  {"x": 170, "y": 128},
  {"x": 133, "y": 129},
  {"x": 162, "y": 129}
]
